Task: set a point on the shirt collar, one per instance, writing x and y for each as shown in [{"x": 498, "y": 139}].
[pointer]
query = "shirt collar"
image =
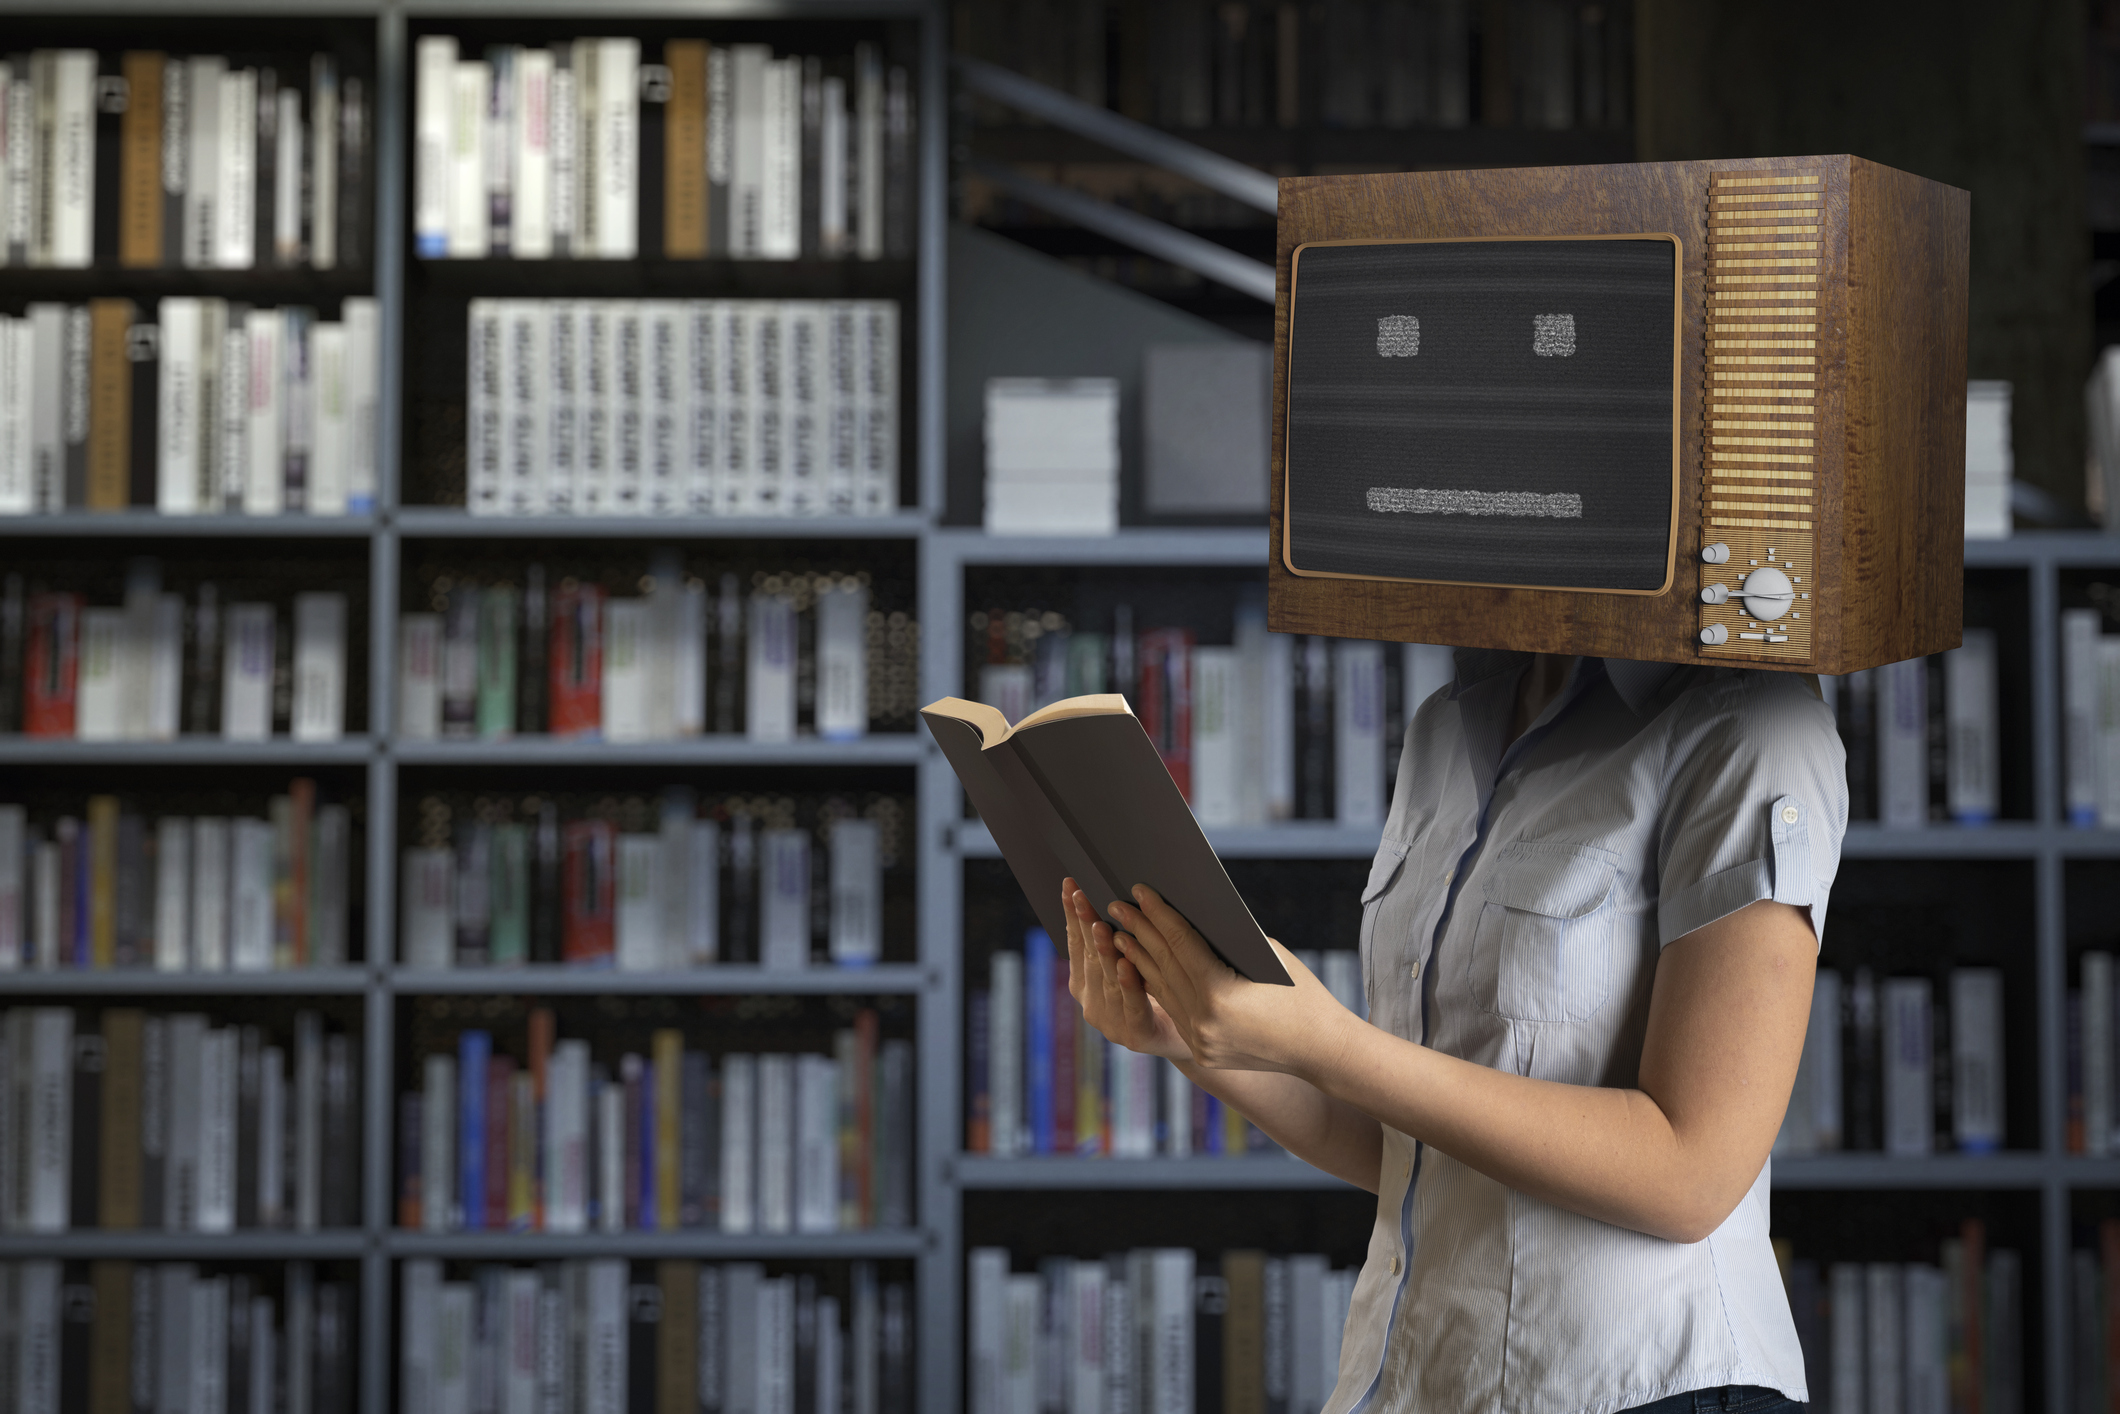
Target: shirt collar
[{"x": 1637, "y": 683}]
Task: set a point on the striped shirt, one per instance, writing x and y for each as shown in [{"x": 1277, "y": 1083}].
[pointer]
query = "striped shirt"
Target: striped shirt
[{"x": 1514, "y": 917}]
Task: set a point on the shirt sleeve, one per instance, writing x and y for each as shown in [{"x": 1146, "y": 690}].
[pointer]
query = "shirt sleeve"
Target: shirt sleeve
[{"x": 1755, "y": 803}]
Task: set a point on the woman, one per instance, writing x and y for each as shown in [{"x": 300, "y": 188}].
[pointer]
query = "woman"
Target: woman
[{"x": 1588, "y": 943}]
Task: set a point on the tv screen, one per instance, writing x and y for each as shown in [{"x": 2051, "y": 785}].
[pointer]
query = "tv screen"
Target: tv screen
[{"x": 1500, "y": 412}]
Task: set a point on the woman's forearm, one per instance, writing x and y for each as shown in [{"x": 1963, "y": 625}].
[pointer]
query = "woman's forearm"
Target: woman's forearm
[{"x": 1325, "y": 1133}]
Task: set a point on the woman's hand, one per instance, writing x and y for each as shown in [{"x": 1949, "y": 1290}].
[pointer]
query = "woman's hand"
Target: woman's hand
[
  {"x": 1108, "y": 988},
  {"x": 1226, "y": 1022}
]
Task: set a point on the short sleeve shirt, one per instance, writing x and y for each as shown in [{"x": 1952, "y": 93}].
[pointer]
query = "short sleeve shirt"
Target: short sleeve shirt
[{"x": 1514, "y": 918}]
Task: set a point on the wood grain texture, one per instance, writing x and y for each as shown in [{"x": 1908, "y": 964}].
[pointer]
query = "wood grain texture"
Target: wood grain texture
[{"x": 1883, "y": 403}]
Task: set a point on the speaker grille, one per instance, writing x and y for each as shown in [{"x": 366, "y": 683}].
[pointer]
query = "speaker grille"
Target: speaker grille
[{"x": 1759, "y": 448}]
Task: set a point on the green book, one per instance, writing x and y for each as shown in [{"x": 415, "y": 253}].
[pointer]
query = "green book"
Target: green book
[
  {"x": 509, "y": 935},
  {"x": 496, "y": 661}
]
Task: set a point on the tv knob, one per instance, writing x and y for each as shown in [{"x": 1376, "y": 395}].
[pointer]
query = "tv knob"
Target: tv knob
[
  {"x": 1715, "y": 554},
  {"x": 1768, "y": 594},
  {"x": 1715, "y": 594},
  {"x": 1714, "y": 634}
]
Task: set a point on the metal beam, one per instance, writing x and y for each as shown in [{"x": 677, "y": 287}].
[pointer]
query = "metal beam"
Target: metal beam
[
  {"x": 1143, "y": 233},
  {"x": 1210, "y": 169}
]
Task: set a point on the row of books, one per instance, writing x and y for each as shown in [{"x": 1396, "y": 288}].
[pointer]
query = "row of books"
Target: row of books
[
  {"x": 2093, "y": 1057},
  {"x": 682, "y": 407},
  {"x": 1347, "y": 64},
  {"x": 1154, "y": 1329},
  {"x": 676, "y": 882},
  {"x": 1923, "y": 739},
  {"x": 1040, "y": 1081},
  {"x": 111, "y": 1335},
  {"x": 112, "y": 888},
  {"x": 212, "y": 407},
  {"x": 682, "y": 658},
  {"x": 1273, "y": 727},
  {"x": 146, "y": 160},
  {"x": 153, "y": 667},
  {"x": 604, "y": 1335},
  {"x": 720, "y": 151},
  {"x": 131, "y": 1120},
  {"x": 1900, "y": 1065},
  {"x": 2094, "y": 1318},
  {"x": 672, "y": 1139},
  {"x": 1912, "y": 1337}
]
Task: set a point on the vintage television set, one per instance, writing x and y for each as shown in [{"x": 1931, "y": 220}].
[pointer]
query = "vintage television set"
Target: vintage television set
[{"x": 1685, "y": 411}]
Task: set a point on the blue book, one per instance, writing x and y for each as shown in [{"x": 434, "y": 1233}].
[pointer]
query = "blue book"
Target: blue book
[
  {"x": 646, "y": 1121},
  {"x": 1038, "y": 1036},
  {"x": 472, "y": 1050},
  {"x": 1209, "y": 1142}
]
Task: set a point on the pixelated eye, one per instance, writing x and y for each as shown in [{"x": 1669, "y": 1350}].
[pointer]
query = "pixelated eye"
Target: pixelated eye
[
  {"x": 1398, "y": 336},
  {"x": 1553, "y": 335}
]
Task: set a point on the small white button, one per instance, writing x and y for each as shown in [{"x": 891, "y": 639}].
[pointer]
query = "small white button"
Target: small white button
[
  {"x": 1788, "y": 815},
  {"x": 1416, "y": 972},
  {"x": 1394, "y": 1264}
]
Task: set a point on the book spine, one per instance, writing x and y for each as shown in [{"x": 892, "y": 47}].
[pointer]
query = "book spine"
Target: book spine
[
  {"x": 562, "y": 400},
  {"x": 770, "y": 681},
  {"x": 684, "y": 235},
  {"x": 877, "y": 417},
  {"x": 326, "y": 141},
  {"x": 434, "y": 101},
  {"x": 498, "y": 135},
  {"x": 1977, "y": 1059},
  {"x": 739, "y": 1120},
  {"x": 524, "y": 374},
  {"x": 470, "y": 87},
  {"x": 1974, "y": 744},
  {"x": 265, "y": 427},
  {"x": 1902, "y": 744},
  {"x": 235, "y": 172},
  {"x": 720, "y": 148},
  {"x": 616, "y": 191},
  {"x": 1358, "y": 748},
  {"x": 784, "y": 911},
  {"x": 532, "y": 206},
  {"x": 663, "y": 473},
  {"x": 626, "y": 494},
  {"x": 566, "y": 151},
  {"x": 68, "y": 191},
  {"x": 320, "y": 666},
  {"x": 2079, "y": 714},
  {"x": 330, "y": 438},
  {"x": 485, "y": 407},
  {"x": 140, "y": 161}
]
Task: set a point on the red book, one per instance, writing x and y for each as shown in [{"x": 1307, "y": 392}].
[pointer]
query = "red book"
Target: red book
[
  {"x": 1165, "y": 708},
  {"x": 500, "y": 1079},
  {"x": 587, "y": 890},
  {"x": 49, "y": 665},
  {"x": 577, "y": 660},
  {"x": 1067, "y": 1020}
]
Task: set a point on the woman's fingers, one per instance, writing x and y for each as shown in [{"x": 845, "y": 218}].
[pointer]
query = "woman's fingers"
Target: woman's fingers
[{"x": 1187, "y": 948}]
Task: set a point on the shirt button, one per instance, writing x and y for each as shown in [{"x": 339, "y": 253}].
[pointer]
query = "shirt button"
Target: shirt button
[
  {"x": 1788, "y": 815},
  {"x": 1394, "y": 1264},
  {"x": 1416, "y": 972}
]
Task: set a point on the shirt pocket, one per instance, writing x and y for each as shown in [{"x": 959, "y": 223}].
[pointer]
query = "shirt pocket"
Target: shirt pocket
[
  {"x": 1543, "y": 948},
  {"x": 1383, "y": 873}
]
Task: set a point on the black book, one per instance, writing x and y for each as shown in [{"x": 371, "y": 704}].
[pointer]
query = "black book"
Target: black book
[
  {"x": 806, "y": 1341},
  {"x": 239, "y": 1333},
  {"x": 654, "y": 107},
  {"x": 898, "y": 165},
  {"x": 264, "y": 250},
  {"x": 249, "y": 1056},
  {"x": 154, "y": 1122},
  {"x": 698, "y": 1133},
  {"x": 739, "y": 935},
  {"x": 545, "y": 870},
  {"x": 333, "y": 1388},
  {"x": 353, "y": 171},
  {"x": 342, "y": 1155},
  {"x": 728, "y": 657},
  {"x": 202, "y": 687},
  {"x": 109, "y": 1375},
  {"x": 896, "y": 1337},
  {"x": 13, "y": 608},
  {"x": 1862, "y": 1099},
  {"x": 643, "y": 1327},
  {"x": 84, "y": 1203},
  {"x": 530, "y": 717},
  {"x": 111, "y": 102},
  {"x": 77, "y": 1333},
  {"x": 1210, "y": 1305},
  {"x": 135, "y": 894},
  {"x": 143, "y": 348},
  {"x": 142, "y": 1326}
]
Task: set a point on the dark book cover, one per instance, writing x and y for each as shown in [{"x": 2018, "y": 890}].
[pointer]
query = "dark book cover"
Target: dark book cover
[
  {"x": 240, "y": 1294},
  {"x": 340, "y": 1198},
  {"x": 474, "y": 874},
  {"x": 333, "y": 1384},
  {"x": 639, "y": 1130},
  {"x": 143, "y": 349},
  {"x": 500, "y": 1082},
  {"x": 135, "y": 894},
  {"x": 77, "y": 1334},
  {"x": 202, "y": 675},
  {"x": 250, "y": 1043},
  {"x": 643, "y": 1327},
  {"x": 113, "y": 98},
  {"x": 812, "y": 156},
  {"x": 806, "y": 1341},
  {"x": 176, "y": 159},
  {"x": 651, "y": 174},
  {"x": 264, "y": 250},
  {"x": 721, "y": 114},
  {"x": 739, "y": 933},
  {"x": 411, "y": 1117},
  {"x": 1864, "y": 1125},
  {"x": 110, "y": 1339},
  {"x": 1210, "y": 1307},
  {"x": 84, "y": 1207},
  {"x": 354, "y": 211},
  {"x": 895, "y": 1388},
  {"x": 1314, "y": 767},
  {"x": 697, "y": 1142},
  {"x": 728, "y": 657},
  {"x": 546, "y": 859},
  {"x": 14, "y": 609},
  {"x": 898, "y": 183},
  {"x": 531, "y": 669},
  {"x": 154, "y": 1117}
]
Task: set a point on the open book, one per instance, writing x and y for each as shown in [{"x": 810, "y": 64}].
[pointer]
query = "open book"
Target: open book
[{"x": 1078, "y": 789}]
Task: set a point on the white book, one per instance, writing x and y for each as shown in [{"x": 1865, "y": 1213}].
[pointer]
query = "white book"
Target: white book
[
  {"x": 610, "y": 1111},
  {"x": 816, "y": 1144},
  {"x": 867, "y": 218},
  {"x": 567, "y": 1139},
  {"x": 210, "y": 850},
  {"x": 48, "y": 1120},
  {"x": 597, "y": 408},
  {"x": 17, "y": 495},
  {"x": 703, "y": 895},
  {"x": 420, "y": 676},
  {"x": 18, "y": 201},
  {"x": 36, "y": 1335},
  {"x": 739, "y": 1148},
  {"x": 803, "y": 403},
  {"x": 522, "y": 1293},
  {"x": 419, "y": 1315},
  {"x": 183, "y": 1131},
  {"x": 470, "y": 89},
  {"x": 1358, "y": 732},
  {"x": 780, "y": 218},
  {"x": 639, "y": 921},
  {"x": 173, "y": 1338},
  {"x": 531, "y": 207},
  {"x": 769, "y": 423},
  {"x": 876, "y": 417},
  {"x": 235, "y": 171},
  {"x": 202, "y": 186},
  {"x": 427, "y": 925},
  {"x": 1884, "y": 1312},
  {"x": 70, "y": 191},
  {"x": 1021, "y": 1317},
  {"x": 1976, "y": 1059},
  {"x": 99, "y": 686},
  {"x": 331, "y": 435},
  {"x": 14, "y": 891},
  {"x": 325, "y": 124},
  {"x": 561, "y": 400},
  {"x": 44, "y": 905},
  {"x": 455, "y": 1337},
  {"x": 840, "y": 407},
  {"x": 615, "y": 193},
  {"x": 689, "y": 610},
  {"x": 662, "y": 331},
  {"x": 250, "y": 895},
  {"x": 1177, "y": 1111},
  {"x": 1138, "y": 1140},
  {"x": 1170, "y": 1367},
  {"x": 566, "y": 133},
  {"x": 735, "y": 473},
  {"x": 1903, "y": 743},
  {"x": 289, "y": 144},
  {"x": 627, "y": 393},
  {"x": 776, "y": 1143},
  {"x": 523, "y": 425},
  {"x": 433, "y": 104},
  {"x": 749, "y": 67},
  {"x": 1217, "y": 737},
  {"x": 1306, "y": 1313},
  {"x": 604, "y": 1373},
  {"x": 1973, "y": 732},
  {"x": 209, "y": 1344},
  {"x": 857, "y": 893},
  {"x": 47, "y": 422},
  {"x": 784, "y": 899},
  {"x": 1085, "y": 1354},
  {"x": 178, "y": 412},
  {"x": 842, "y": 662},
  {"x": 246, "y": 674},
  {"x": 264, "y": 483},
  {"x": 2079, "y": 714},
  {"x": 438, "y": 1191},
  {"x": 485, "y": 407},
  {"x": 625, "y": 680},
  {"x": 165, "y": 667},
  {"x": 1908, "y": 1067},
  {"x": 2107, "y": 751},
  {"x": 1928, "y": 1382},
  {"x": 832, "y": 170},
  {"x": 1006, "y": 1116},
  {"x": 319, "y": 666},
  {"x": 2097, "y": 984},
  {"x": 217, "y": 1130},
  {"x": 273, "y": 1208},
  {"x": 699, "y": 422},
  {"x": 363, "y": 373},
  {"x": 769, "y": 684},
  {"x": 173, "y": 870},
  {"x": 224, "y": 465}
]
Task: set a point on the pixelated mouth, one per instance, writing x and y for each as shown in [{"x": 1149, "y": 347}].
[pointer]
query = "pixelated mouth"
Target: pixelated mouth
[{"x": 1420, "y": 501}]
